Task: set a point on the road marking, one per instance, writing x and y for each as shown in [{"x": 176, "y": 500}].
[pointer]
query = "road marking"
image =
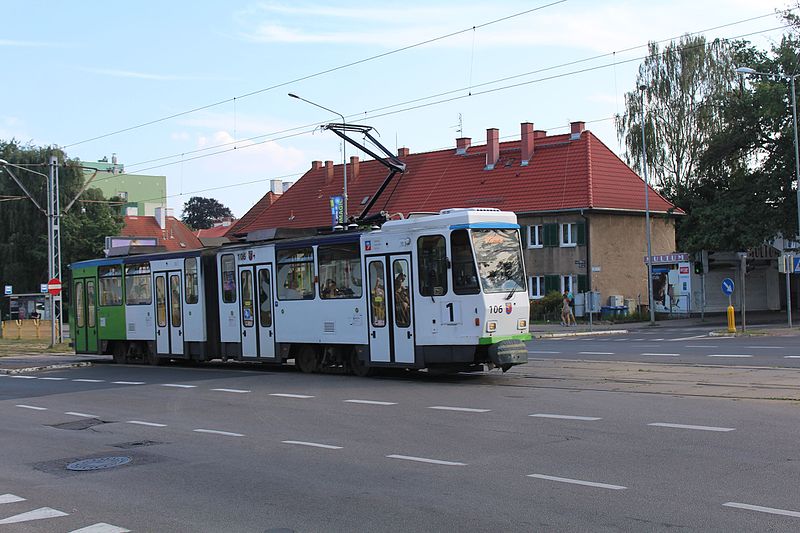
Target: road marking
[
  {"x": 729, "y": 355},
  {"x": 770, "y": 510},
  {"x": 32, "y": 407},
  {"x": 10, "y": 498},
  {"x": 766, "y": 347},
  {"x": 370, "y": 402},
  {"x": 462, "y": 409},
  {"x": 101, "y": 527},
  {"x": 578, "y": 482},
  {"x": 142, "y": 423},
  {"x": 84, "y": 415},
  {"x": 128, "y": 382},
  {"x": 663, "y": 354},
  {"x": 36, "y": 514},
  {"x": 565, "y": 417},
  {"x": 638, "y": 339},
  {"x": 283, "y": 395},
  {"x": 178, "y": 385},
  {"x": 541, "y": 351},
  {"x": 238, "y": 391},
  {"x": 657, "y": 340},
  {"x": 689, "y": 338},
  {"x": 424, "y": 460},
  {"x": 89, "y": 380},
  {"x": 596, "y": 353},
  {"x": 54, "y": 379},
  {"x": 791, "y": 356},
  {"x": 687, "y": 426},
  {"x": 701, "y": 346},
  {"x": 312, "y": 444},
  {"x": 16, "y": 376},
  {"x": 215, "y": 432}
]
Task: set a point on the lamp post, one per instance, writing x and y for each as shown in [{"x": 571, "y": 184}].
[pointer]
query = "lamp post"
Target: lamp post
[
  {"x": 344, "y": 151},
  {"x": 650, "y": 303},
  {"x": 791, "y": 78}
]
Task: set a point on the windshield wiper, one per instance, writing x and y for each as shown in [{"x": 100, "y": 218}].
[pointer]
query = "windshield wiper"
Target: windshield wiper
[{"x": 510, "y": 294}]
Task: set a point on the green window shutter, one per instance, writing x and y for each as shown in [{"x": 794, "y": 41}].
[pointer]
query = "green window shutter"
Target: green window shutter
[
  {"x": 552, "y": 283},
  {"x": 523, "y": 230},
  {"x": 581, "y": 230},
  {"x": 550, "y": 234},
  {"x": 582, "y": 282}
]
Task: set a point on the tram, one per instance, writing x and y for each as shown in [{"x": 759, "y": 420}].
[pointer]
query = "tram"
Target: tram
[{"x": 443, "y": 291}]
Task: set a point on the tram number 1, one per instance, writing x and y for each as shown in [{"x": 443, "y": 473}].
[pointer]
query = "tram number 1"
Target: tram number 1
[{"x": 451, "y": 313}]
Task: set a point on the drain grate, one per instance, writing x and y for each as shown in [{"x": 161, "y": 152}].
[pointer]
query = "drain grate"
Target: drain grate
[{"x": 98, "y": 463}]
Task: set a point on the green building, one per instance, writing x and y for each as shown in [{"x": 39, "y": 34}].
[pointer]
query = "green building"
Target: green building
[{"x": 142, "y": 193}]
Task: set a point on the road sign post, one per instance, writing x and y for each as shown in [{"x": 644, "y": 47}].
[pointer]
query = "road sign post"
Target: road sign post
[{"x": 727, "y": 289}]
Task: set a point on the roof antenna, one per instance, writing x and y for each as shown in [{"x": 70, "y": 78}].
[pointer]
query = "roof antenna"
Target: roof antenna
[{"x": 460, "y": 126}]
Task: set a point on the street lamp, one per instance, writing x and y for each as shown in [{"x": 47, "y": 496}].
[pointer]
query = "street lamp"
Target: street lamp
[
  {"x": 791, "y": 78},
  {"x": 650, "y": 303},
  {"x": 344, "y": 151}
]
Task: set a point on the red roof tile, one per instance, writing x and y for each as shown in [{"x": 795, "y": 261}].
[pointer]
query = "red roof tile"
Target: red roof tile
[
  {"x": 563, "y": 174},
  {"x": 175, "y": 237},
  {"x": 239, "y": 228},
  {"x": 216, "y": 231}
]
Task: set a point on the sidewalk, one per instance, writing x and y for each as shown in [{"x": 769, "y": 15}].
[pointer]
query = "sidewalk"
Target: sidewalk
[{"x": 19, "y": 364}]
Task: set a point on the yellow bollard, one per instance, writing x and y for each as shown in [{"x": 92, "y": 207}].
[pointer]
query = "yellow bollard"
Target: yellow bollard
[
  {"x": 731, "y": 320},
  {"x": 19, "y": 329}
]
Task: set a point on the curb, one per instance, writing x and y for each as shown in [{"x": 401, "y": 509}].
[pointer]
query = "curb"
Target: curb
[
  {"x": 9, "y": 371},
  {"x": 581, "y": 333}
]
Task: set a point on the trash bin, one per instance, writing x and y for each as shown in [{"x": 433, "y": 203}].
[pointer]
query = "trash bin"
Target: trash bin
[{"x": 606, "y": 312}]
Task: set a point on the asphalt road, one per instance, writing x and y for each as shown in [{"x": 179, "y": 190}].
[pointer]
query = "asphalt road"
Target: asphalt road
[{"x": 229, "y": 450}]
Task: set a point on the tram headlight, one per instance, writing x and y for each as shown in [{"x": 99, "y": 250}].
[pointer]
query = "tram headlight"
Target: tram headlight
[
  {"x": 522, "y": 324},
  {"x": 491, "y": 326}
]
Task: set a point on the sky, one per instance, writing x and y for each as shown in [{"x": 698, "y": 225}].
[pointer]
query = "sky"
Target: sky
[{"x": 197, "y": 91}]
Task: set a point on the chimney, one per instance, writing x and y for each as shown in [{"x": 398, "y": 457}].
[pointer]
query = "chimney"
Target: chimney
[
  {"x": 316, "y": 165},
  {"x": 492, "y": 148},
  {"x": 328, "y": 172},
  {"x": 539, "y": 134},
  {"x": 276, "y": 186},
  {"x": 576, "y": 128},
  {"x": 286, "y": 185},
  {"x": 462, "y": 143},
  {"x": 402, "y": 152},
  {"x": 352, "y": 175},
  {"x": 526, "y": 143},
  {"x": 161, "y": 217}
]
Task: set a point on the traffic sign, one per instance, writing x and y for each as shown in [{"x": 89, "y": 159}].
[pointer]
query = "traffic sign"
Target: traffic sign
[
  {"x": 54, "y": 286},
  {"x": 8, "y": 290},
  {"x": 727, "y": 286},
  {"x": 796, "y": 264}
]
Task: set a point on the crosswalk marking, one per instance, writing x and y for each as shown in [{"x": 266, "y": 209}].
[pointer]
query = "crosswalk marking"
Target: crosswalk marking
[
  {"x": 101, "y": 527},
  {"x": 10, "y": 498},
  {"x": 37, "y": 514}
]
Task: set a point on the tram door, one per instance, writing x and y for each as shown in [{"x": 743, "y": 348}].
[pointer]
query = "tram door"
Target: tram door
[
  {"x": 258, "y": 329},
  {"x": 391, "y": 317},
  {"x": 169, "y": 313},
  {"x": 85, "y": 316}
]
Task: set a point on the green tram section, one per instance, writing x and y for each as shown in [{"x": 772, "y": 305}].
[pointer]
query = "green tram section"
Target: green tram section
[{"x": 97, "y": 304}]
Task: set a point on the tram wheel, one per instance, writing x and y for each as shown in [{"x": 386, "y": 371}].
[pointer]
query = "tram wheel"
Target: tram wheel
[
  {"x": 306, "y": 360},
  {"x": 120, "y": 353},
  {"x": 359, "y": 367}
]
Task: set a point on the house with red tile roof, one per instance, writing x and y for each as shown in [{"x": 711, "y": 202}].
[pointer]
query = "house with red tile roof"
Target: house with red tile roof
[
  {"x": 170, "y": 234},
  {"x": 216, "y": 234},
  {"x": 581, "y": 208}
]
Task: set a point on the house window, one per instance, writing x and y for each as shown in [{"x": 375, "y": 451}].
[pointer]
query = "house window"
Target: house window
[
  {"x": 569, "y": 284},
  {"x": 572, "y": 234},
  {"x": 536, "y": 287},
  {"x": 535, "y": 237}
]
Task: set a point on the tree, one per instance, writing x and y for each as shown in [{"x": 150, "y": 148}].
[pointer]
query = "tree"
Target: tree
[
  {"x": 683, "y": 86},
  {"x": 201, "y": 213}
]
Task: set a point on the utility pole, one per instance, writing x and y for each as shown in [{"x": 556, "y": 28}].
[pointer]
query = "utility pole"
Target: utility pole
[{"x": 54, "y": 250}]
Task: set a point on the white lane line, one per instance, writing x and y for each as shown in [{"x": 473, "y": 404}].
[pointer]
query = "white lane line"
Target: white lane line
[
  {"x": 84, "y": 415},
  {"x": 312, "y": 444},
  {"x": 128, "y": 382},
  {"x": 657, "y": 340},
  {"x": 701, "y": 346},
  {"x": 370, "y": 402},
  {"x": 89, "y": 380},
  {"x": 101, "y": 527},
  {"x": 565, "y": 417},
  {"x": 10, "y": 498},
  {"x": 142, "y": 423},
  {"x": 283, "y": 395},
  {"x": 178, "y": 385},
  {"x": 462, "y": 409},
  {"x": 687, "y": 426},
  {"x": 578, "y": 482},
  {"x": 729, "y": 355},
  {"x": 596, "y": 353},
  {"x": 36, "y": 514},
  {"x": 17, "y": 376},
  {"x": 32, "y": 407},
  {"x": 238, "y": 391},
  {"x": 54, "y": 379},
  {"x": 638, "y": 339},
  {"x": 688, "y": 338},
  {"x": 215, "y": 432},
  {"x": 662, "y": 354},
  {"x": 424, "y": 460},
  {"x": 791, "y": 356},
  {"x": 766, "y": 347},
  {"x": 542, "y": 351},
  {"x": 770, "y": 510}
]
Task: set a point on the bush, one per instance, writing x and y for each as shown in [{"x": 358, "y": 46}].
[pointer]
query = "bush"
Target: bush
[{"x": 547, "y": 308}]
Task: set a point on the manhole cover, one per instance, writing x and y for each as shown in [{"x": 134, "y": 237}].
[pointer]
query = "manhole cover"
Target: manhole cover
[{"x": 98, "y": 463}]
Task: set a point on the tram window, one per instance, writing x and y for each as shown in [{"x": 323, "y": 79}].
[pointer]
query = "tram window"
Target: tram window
[
  {"x": 79, "y": 311},
  {"x": 499, "y": 260},
  {"x": 247, "y": 298},
  {"x": 161, "y": 302},
  {"x": 110, "y": 285},
  {"x": 90, "y": 304},
  {"x": 296, "y": 274},
  {"x": 228, "y": 271},
  {"x": 340, "y": 267},
  {"x": 265, "y": 298},
  {"x": 402, "y": 301},
  {"x": 175, "y": 300},
  {"x": 190, "y": 280},
  {"x": 465, "y": 276},
  {"x": 432, "y": 265},
  {"x": 137, "y": 284},
  {"x": 377, "y": 294}
]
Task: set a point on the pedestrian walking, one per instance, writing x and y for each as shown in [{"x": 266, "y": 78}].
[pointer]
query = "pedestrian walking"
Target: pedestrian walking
[{"x": 566, "y": 311}]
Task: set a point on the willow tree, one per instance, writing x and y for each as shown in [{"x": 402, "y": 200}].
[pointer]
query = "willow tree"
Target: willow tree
[{"x": 681, "y": 88}]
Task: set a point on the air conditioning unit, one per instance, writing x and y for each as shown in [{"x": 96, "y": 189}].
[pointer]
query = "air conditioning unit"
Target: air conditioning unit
[{"x": 616, "y": 300}]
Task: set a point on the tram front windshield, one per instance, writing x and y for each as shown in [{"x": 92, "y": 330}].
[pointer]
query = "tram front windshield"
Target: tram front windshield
[{"x": 499, "y": 260}]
